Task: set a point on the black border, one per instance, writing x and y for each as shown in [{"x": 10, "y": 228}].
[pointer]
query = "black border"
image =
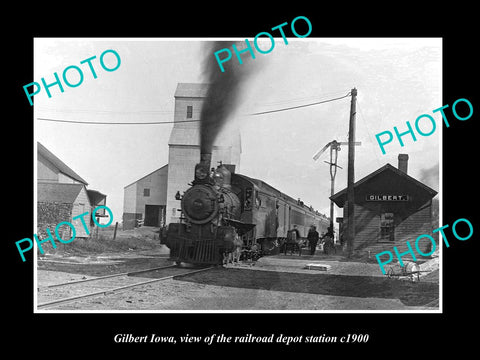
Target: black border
[{"x": 398, "y": 332}]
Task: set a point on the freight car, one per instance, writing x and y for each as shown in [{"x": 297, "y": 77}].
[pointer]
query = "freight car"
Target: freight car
[{"x": 221, "y": 205}]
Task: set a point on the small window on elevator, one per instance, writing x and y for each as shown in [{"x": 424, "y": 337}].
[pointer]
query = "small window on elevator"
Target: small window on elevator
[
  {"x": 189, "y": 112},
  {"x": 387, "y": 227}
]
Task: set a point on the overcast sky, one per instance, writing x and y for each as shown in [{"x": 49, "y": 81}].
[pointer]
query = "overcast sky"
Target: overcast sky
[{"x": 397, "y": 80}]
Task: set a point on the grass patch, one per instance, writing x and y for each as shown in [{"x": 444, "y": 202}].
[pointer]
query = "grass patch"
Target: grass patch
[
  {"x": 104, "y": 244},
  {"x": 102, "y": 241}
]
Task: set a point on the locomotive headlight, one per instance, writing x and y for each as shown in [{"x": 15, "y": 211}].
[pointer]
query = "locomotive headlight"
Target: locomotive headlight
[{"x": 201, "y": 173}]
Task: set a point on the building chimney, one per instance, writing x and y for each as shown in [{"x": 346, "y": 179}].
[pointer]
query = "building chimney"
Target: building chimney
[{"x": 403, "y": 162}]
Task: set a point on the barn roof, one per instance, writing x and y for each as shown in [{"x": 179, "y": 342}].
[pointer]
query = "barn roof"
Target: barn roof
[
  {"x": 58, "y": 192},
  {"x": 58, "y": 164},
  {"x": 164, "y": 168},
  {"x": 191, "y": 90}
]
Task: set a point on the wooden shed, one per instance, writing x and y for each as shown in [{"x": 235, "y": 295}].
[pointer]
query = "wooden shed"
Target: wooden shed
[
  {"x": 57, "y": 202},
  {"x": 62, "y": 194}
]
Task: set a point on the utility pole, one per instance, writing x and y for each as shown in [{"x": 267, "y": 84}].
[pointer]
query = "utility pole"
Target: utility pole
[
  {"x": 333, "y": 171},
  {"x": 351, "y": 176},
  {"x": 334, "y": 149}
]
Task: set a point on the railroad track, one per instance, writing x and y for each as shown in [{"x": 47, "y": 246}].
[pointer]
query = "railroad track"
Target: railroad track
[{"x": 112, "y": 283}]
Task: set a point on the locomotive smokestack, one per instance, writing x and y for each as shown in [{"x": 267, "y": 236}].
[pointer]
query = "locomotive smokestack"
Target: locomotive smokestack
[
  {"x": 206, "y": 159},
  {"x": 202, "y": 169}
]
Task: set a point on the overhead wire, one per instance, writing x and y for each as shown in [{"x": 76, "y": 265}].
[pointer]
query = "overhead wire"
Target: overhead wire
[
  {"x": 307, "y": 98},
  {"x": 116, "y": 123},
  {"x": 300, "y": 106},
  {"x": 187, "y": 121},
  {"x": 106, "y": 112}
]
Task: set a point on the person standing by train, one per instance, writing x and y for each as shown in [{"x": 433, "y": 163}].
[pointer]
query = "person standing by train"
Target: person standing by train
[
  {"x": 328, "y": 243},
  {"x": 295, "y": 233},
  {"x": 293, "y": 236},
  {"x": 313, "y": 238}
]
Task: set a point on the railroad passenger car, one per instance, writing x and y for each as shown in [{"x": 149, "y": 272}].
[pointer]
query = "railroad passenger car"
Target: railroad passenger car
[{"x": 273, "y": 213}]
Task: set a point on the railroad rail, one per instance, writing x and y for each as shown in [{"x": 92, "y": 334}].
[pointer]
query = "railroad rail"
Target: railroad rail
[
  {"x": 115, "y": 289},
  {"x": 106, "y": 277}
]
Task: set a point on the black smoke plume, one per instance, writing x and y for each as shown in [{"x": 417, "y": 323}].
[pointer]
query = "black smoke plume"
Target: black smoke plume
[{"x": 225, "y": 88}]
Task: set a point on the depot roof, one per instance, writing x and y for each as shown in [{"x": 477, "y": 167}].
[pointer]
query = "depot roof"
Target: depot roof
[{"x": 341, "y": 197}]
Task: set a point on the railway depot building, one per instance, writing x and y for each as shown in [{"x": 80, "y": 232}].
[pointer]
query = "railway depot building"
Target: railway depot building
[{"x": 391, "y": 208}]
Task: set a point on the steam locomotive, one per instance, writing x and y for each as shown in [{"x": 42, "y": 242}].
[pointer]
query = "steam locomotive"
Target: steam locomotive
[{"x": 221, "y": 205}]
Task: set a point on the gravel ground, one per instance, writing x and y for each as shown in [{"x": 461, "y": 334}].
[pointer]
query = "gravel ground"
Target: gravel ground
[
  {"x": 337, "y": 267},
  {"x": 180, "y": 295},
  {"x": 274, "y": 283}
]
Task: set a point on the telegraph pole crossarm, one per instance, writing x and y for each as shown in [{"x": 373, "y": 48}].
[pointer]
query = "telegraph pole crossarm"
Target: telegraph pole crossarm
[{"x": 328, "y": 162}]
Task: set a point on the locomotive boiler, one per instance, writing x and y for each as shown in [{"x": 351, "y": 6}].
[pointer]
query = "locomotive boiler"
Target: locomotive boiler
[{"x": 221, "y": 206}]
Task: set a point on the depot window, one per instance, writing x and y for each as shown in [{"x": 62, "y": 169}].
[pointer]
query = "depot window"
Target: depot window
[
  {"x": 387, "y": 227},
  {"x": 146, "y": 192}
]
